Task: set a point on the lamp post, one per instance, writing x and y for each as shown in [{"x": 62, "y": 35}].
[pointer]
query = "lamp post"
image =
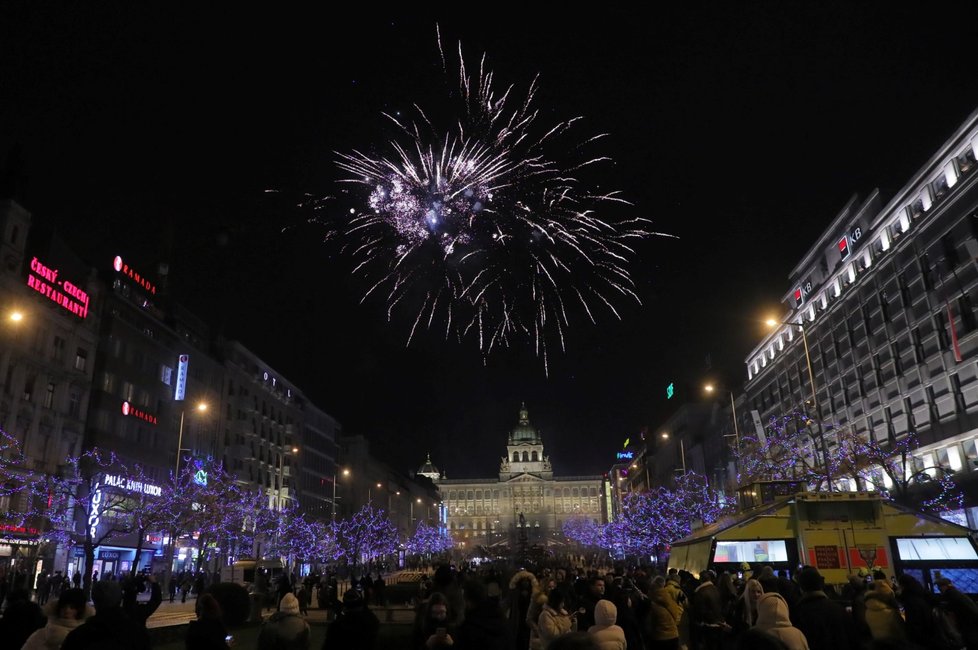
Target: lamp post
[
  {"x": 682, "y": 449},
  {"x": 772, "y": 322},
  {"x": 412, "y": 510},
  {"x": 346, "y": 472},
  {"x": 281, "y": 472},
  {"x": 711, "y": 388},
  {"x": 201, "y": 407}
]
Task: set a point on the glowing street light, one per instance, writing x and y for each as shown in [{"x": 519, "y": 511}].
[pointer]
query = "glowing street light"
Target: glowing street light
[{"x": 16, "y": 316}]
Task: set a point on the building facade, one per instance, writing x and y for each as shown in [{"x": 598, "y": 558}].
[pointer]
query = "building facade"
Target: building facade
[
  {"x": 49, "y": 323},
  {"x": 526, "y": 494},
  {"x": 881, "y": 315}
]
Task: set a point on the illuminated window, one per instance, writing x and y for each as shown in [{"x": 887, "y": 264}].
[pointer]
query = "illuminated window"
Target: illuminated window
[
  {"x": 49, "y": 396},
  {"x": 81, "y": 359}
]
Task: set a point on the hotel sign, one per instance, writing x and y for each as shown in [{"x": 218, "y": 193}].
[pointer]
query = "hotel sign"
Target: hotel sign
[
  {"x": 181, "y": 389},
  {"x": 131, "y": 411},
  {"x": 44, "y": 280},
  {"x": 121, "y": 267},
  {"x": 129, "y": 485}
]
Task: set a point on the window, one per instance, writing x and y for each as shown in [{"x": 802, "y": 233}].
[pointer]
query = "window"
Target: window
[
  {"x": 967, "y": 312},
  {"x": 108, "y": 382},
  {"x": 81, "y": 359},
  {"x": 29, "y": 388},
  {"x": 128, "y": 391},
  {"x": 49, "y": 396},
  {"x": 59, "y": 349},
  {"x": 74, "y": 403}
]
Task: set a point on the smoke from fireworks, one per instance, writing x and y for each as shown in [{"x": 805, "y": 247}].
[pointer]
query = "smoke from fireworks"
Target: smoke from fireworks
[{"x": 486, "y": 228}]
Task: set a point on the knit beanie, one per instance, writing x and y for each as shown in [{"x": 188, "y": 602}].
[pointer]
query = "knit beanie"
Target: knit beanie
[{"x": 289, "y": 604}]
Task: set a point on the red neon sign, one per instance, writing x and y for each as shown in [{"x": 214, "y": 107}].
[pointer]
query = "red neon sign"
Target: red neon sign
[
  {"x": 19, "y": 529},
  {"x": 126, "y": 270},
  {"x": 131, "y": 411},
  {"x": 44, "y": 280}
]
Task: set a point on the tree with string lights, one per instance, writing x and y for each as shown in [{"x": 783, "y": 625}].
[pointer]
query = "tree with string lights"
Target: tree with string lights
[
  {"x": 368, "y": 534},
  {"x": 892, "y": 469},
  {"x": 428, "y": 540}
]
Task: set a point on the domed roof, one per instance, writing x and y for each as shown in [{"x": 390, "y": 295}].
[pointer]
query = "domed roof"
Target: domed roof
[
  {"x": 524, "y": 431},
  {"x": 429, "y": 470}
]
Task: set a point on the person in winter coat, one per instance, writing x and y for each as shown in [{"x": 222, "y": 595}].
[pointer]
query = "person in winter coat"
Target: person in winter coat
[
  {"x": 20, "y": 618},
  {"x": 484, "y": 626},
  {"x": 431, "y": 628},
  {"x": 707, "y": 614},
  {"x": 355, "y": 627},
  {"x": 111, "y": 627},
  {"x": 917, "y": 607},
  {"x": 285, "y": 629},
  {"x": 63, "y": 616},
  {"x": 772, "y": 618},
  {"x": 661, "y": 624},
  {"x": 208, "y": 631},
  {"x": 883, "y": 613},
  {"x": 824, "y": 622},
  {"x": 608, "y": 635},
  {"x": 964, "y": 610},
  {"x": 745, "y": 609},
  {"x": 554, "y": 620},
  {"x": 537, "y": 603}
]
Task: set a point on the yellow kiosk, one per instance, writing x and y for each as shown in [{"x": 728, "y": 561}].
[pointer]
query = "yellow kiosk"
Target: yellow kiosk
[{"x": 784, "y": 526}]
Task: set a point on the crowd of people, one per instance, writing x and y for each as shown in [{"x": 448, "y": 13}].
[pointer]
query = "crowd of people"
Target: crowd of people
[
  {"x": 614, "y": 609},
  {"x": 487, "y": 608}
]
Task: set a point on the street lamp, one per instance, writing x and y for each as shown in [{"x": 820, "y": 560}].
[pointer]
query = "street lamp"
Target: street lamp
[
  {"x": 201, "y": 407},
  {"x": 16, "y": 316},
  {"x": 773, "y": 322},
  {"x": 682, "y": 449},
  {"x": 281, "y": 472},
  {"x": 412, "y": 509},
  {"x": 346, "y": 472}
]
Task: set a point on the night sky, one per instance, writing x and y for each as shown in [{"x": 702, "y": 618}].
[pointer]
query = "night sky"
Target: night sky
[{"x": 742, "y": 129}]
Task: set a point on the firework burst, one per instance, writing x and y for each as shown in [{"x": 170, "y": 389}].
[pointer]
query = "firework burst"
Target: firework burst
[{"x": 486, "y": 229}]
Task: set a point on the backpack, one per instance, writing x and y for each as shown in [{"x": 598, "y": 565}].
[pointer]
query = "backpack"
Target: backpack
[{"x": 946, "y": 635}]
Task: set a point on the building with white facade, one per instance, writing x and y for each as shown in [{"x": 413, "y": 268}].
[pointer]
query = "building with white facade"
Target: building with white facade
[
  {"x": 884, "y": 302},
  {"x": 487, "y": 511}
]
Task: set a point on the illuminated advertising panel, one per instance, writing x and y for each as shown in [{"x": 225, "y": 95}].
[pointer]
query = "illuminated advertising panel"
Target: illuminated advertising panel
[
  {"x": 761, "y": 550},
  {"x": 936, "y": 548},
  {"x": 181, "y": 389},
  {"x": 46, "y": 281}
]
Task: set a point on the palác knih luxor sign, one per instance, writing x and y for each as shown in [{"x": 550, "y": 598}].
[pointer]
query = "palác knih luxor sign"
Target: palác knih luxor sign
[{"x": 44, "y": 280}]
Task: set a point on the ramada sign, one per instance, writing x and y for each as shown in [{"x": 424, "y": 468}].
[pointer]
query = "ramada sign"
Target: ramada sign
[
  {"x": 44, "y": 280},
  {"x": 129, "y": 272},
  {"x": 131, "y": 411}
]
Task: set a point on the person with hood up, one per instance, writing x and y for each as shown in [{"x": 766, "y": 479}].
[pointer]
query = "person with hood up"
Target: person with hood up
[
  {"x": 772, "y": 618},
  {"x": 554, "y": 620},
  {"x": 883, "y": 613},
  {"x": 285, "y": 629},
  {"x": 608, "y": 635},
  {"x": 63, "y": 616}
]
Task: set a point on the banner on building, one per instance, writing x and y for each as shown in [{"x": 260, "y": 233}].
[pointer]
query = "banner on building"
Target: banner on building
[{"x": 758, "y": 427}]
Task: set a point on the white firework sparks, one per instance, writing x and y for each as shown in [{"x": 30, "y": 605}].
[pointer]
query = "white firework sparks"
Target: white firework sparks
[{"x": 479, "y": 228}]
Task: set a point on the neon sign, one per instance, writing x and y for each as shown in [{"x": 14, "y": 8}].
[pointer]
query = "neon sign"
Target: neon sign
[
  {"x": 44, "y": 280},
  {"x": 626, "y": 455},
  {"x": 181, "y": 389},
  {"x": 131, "y": 411},
  {"x": 93, "y": 511},
  {"x": 129, "y": 485},
  {"x": 126, "y": 270},
  {"x": 670, "y": 391}
]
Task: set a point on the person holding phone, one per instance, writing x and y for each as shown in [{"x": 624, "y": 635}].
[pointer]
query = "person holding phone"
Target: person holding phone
[
  {"x": 208, "y": 631},
  {"x": 431, "y": 628},
  {"x": 554, "y": 620}
]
